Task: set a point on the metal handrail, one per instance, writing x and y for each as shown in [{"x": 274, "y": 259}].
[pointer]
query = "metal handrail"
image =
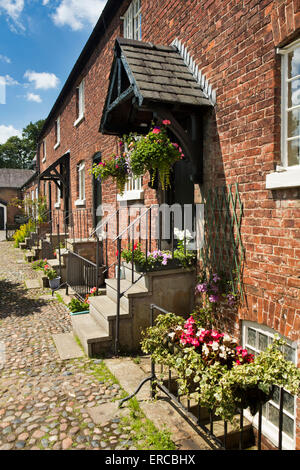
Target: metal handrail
[{"x": 134, "y": 222}]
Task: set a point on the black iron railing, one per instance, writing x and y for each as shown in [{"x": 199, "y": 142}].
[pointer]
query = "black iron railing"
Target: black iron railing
[
  {"x": 152, "y": 230},
  {"x": 82, "y": 274},
  {"x": 204, "y": 419}
]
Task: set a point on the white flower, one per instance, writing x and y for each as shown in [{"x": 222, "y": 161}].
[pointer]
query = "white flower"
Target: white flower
[{"x": 215, "y": 346}]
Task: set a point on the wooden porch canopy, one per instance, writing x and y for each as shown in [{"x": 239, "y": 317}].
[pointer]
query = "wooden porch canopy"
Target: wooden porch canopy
[
  {"x": 153, "y": 82},
  {"x": 58, "y": 172}
]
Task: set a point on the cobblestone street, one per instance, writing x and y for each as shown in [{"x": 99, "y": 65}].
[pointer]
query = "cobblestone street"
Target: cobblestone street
[{"x": 44, "y": 401}]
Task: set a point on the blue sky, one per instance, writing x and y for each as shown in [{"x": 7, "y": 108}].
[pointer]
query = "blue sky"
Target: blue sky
[{"x": 40, "y": 40}]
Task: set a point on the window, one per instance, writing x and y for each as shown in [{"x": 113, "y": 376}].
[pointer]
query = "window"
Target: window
[
  {"x": 57, "y": 133},
  {"x": 132, "y": 27},
  {"x": 81, "y": 184},
  {"x": 79, "y": 103},
  {"x": 288, "y": 173},
  {"x": 134, "y": 186},
  {"x": 256, "y": 338},
  {"x": 58, "y": 196},
  {"x": 44, "y": 151}
]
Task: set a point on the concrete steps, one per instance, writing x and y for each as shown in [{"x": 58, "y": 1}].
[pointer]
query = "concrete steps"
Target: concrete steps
[{"x": 94, "y": 339}]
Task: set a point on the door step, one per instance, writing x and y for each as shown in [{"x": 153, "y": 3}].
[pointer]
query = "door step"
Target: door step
[{"x": 94, "y": 339}]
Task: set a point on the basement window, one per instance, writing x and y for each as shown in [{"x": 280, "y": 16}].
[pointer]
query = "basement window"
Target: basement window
[
  {"x": 288, "y": 173},
  {"x": 256, "y": 338}
]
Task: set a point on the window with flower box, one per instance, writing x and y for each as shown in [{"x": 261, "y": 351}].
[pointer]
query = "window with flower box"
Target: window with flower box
[{"x": 256, "y": 338}]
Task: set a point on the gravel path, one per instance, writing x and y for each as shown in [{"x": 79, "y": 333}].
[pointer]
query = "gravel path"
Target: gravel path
[{"x": 44, "y": 401}]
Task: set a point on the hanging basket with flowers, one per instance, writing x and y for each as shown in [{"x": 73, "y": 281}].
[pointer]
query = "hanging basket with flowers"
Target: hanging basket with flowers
[
  {"x": 116, "y": 167},
  {"x": 154, "y": 152}
]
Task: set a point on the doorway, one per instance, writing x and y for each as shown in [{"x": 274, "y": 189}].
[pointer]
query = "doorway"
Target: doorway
[{"x": 2, "y": 217}]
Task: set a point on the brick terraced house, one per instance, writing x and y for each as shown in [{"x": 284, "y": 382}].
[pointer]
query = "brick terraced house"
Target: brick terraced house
[{"x": 226, "y": 74}]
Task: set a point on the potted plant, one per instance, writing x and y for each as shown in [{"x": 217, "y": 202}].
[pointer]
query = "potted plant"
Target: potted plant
[
  {"x": 116, "y": 167},
  {"x": 154, "y": 152},
  {"x": 54, "y": 279},
  {"x": 78, "y": 307}
]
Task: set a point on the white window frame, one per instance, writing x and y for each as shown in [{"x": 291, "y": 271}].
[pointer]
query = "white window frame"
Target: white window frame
[
  {"x": 269, "y": 429},
  {"x": 58, "y": 197},
  {"x": 81, "y": 184},
  {"x": 57, "y": 131},
  {"x": 285, "y": 176},
  {"x": 81, "y": 103},
  {"x": 44, "y": 147},
  {"x": 133, "y": 189},
  {"x": 132, "y": 26}
]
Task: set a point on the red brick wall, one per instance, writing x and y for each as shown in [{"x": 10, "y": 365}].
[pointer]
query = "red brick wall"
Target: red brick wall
[
  {"x": 7, "y": 195},
  {"x": 233, "y": 42}
]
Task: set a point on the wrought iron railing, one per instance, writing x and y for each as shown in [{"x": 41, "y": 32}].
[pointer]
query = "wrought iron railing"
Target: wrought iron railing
[
  {"x": 151, "y": 231},
  {"x": 82, "y": 274},
  {"x": 205, "y": 419}
]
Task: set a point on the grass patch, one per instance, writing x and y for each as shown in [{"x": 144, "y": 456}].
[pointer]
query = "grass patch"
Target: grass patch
[{"x": 145, "y": 435}]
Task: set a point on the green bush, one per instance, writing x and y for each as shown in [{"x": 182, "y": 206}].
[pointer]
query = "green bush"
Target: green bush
[{"x": 23, "y": 232}]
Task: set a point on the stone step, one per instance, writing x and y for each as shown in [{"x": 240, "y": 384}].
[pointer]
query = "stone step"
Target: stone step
[
  {"x": 94, "y": 339},
  {"x": 23, "y": 246},
  {"x": 131, "y": 290},
  {"x": 104, "y": 310},
  {"x": 139, "y": 278}
]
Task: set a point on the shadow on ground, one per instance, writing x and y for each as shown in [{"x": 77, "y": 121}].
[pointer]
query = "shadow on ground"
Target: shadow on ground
[{"x": 14, "y": 300}]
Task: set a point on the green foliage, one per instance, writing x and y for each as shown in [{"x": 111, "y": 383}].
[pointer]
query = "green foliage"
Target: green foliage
[
  {"x": 77, "y": 305},
  {"x": 223, "y": 387},
  {"x": 50, "y": 272},
  {"x": 115, "y": 167},
  {"x": 23, "y": 232},
  {"x": 39, "y": 265},
  {"x": 154, "y": 151},
  {"x": 158, "y": 258},
  {"x": 19, "y": 152}
]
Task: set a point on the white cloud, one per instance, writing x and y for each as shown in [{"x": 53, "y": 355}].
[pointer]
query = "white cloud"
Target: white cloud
[
  {"x": 5, "y": 59},
  {"x": 8, "y": 131},
  {"x": 9, "y": 81},
  {"x": 43, "y": 80},
  {"x": 12, "y": 9},
  {"x": 33, "y": 97},
  {"x": 77, "y": 14}
]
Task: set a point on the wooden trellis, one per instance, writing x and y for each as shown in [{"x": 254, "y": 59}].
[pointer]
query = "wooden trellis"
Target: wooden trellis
[{"x": 222, "y": 249}]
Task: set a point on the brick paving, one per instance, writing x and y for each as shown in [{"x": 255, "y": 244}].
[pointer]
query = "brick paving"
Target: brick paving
[{"x": 44, "y": 401}]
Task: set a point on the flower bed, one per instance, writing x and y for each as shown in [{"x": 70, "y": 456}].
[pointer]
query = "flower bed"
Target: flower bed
[{"x": 214, "y": 370}]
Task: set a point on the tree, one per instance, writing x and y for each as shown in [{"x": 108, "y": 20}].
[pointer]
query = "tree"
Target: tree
[{"x": 19, "y": 152}]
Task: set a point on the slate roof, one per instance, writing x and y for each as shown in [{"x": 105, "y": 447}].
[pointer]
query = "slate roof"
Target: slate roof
[
  {"x": 14, "y": 178},
  {"x": 160, "y": 73}
]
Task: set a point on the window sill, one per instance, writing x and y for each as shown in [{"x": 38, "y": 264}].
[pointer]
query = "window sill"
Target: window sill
[
  {"x": 79, "y": 120},
  {"x": 283, "y": 178},
  {"x": 80, "y": 202},
  {"x": 131, "y": 195},
  {"x": 56, "y": 145},
  {"x": 44, "y": 160},
  {"x": 57, "y": 205}
]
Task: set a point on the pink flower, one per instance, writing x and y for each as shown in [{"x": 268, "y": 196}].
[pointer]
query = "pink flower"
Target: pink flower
[
  {"x": 117, "y": 166},
  {"x": 156, "y": 130},
  {"x": 166, "y": 122}
]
